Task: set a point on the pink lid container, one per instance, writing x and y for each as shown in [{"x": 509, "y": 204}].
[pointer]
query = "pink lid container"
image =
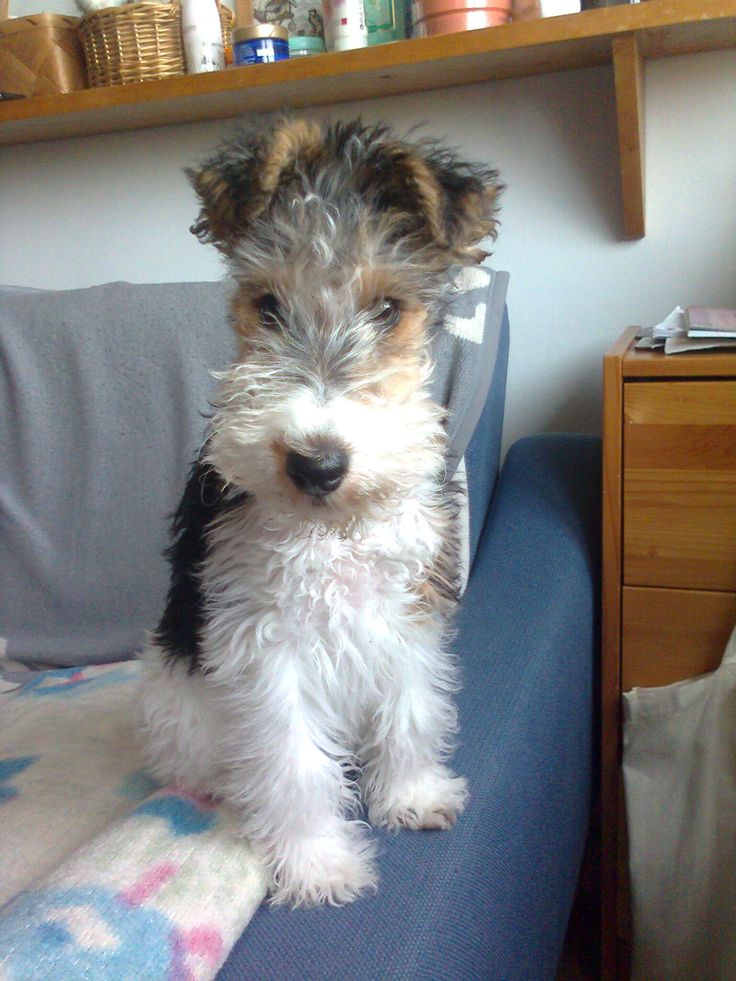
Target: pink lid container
[{"x": 449, "y": 16}]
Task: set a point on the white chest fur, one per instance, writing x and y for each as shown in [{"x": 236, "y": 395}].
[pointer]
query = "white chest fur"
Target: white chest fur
[{"x": 312, "y": 595}]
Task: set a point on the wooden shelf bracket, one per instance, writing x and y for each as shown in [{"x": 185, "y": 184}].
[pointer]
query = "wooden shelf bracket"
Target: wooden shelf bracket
[{"x": 628, "y": 74}]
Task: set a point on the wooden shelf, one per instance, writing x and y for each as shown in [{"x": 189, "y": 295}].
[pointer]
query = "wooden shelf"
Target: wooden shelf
[{"x": 623, "y": 35}]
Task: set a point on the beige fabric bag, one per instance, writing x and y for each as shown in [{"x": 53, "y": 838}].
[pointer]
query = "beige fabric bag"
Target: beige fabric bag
[{"x": 680, "y": 780}]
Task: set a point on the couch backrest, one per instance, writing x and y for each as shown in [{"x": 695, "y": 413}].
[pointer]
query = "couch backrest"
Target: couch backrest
[
  {"x": 483, "y": 453},
  {"x": 102, "y": 397}
]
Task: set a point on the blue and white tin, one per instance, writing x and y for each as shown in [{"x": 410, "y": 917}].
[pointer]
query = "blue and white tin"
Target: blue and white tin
[{"x": 260, "y": 44}]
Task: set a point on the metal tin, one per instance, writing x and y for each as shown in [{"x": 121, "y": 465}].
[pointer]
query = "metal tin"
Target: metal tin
[{"x": 260, "y": 44}]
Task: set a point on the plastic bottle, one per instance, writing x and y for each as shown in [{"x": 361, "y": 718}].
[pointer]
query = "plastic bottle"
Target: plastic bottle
[
  {"x": 345, "y": 25},
  {"x": 202, "y": 34}
]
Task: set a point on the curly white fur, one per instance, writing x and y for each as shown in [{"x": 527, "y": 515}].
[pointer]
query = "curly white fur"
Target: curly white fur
[{"x": 316, "y": 659}]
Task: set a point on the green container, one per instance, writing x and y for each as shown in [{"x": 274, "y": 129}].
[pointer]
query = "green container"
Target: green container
[
  {"x": 301, "y": 45},
  {"x": 386, "y": 20}
]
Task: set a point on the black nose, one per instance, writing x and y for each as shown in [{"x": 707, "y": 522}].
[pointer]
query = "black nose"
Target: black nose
[{"x": 317, "y": 475}]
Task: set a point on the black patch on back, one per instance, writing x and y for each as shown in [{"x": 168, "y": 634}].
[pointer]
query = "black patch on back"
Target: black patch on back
[{"x": 203, "y": 501}]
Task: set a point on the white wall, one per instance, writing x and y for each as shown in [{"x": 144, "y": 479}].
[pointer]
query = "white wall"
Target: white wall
[{"x": 89, "y": 210}]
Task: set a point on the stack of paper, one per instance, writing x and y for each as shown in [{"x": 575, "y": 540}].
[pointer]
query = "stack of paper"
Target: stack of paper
[{"x": 690, "y": 329}]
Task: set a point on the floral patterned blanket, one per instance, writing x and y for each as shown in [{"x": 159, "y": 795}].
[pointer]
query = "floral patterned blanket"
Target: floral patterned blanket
[{"x": 104, "y": 875}]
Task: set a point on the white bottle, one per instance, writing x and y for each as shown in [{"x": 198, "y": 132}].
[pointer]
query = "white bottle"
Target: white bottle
[
  {"x": 345, "y": 24},
  {"x": 202, "y": 35}
]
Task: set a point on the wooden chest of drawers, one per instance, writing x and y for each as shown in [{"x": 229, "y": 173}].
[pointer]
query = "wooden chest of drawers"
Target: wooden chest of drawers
[{"x": 669, "y": 557}]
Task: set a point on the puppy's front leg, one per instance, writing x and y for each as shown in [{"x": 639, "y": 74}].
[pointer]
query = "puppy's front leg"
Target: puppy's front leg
[
  {"x": 405, "y": 781},
  {"x": 286, "y": 773}
]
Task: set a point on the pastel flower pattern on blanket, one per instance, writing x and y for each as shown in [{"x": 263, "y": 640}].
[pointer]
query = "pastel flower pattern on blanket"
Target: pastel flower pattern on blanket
[
  {"x": 148, "y": 884},
  {"x": 70, "y": 682},
  {"x": 118, "y": 879},
  {"x": 184, "y": 813},
  {"x": 10, "y": 769},
  {"x": 201, "y": 943},
  {"x": 74, "y": 933}
]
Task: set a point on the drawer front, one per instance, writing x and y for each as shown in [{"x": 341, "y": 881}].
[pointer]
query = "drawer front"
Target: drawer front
[
  {"x": 672, "y": 634},
  {"x": 679, "y": 493}
]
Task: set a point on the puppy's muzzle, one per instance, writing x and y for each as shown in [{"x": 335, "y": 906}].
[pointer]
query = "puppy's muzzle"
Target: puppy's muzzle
[{"x": 320, "y": 474}]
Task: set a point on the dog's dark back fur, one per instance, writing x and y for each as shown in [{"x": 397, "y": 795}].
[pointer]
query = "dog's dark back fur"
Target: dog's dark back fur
[{"x": 203, "y": 502}]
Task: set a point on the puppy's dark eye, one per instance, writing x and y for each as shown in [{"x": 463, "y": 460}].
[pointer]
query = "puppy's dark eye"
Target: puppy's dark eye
[
  {"x": 269, "y": 311},
  {"x": 388, "y": 312}
]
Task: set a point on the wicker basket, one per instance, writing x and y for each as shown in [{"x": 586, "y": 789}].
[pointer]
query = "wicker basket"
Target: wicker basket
[
  {"x": 40, "y": 55},
  {"x": 137, "y": 42}
]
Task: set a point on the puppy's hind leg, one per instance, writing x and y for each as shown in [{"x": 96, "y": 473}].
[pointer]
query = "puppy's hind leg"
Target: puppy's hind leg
[{"x": 181, "y": 729}]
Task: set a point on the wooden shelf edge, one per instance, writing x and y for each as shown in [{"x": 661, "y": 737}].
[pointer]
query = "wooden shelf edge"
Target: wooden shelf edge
[{"x": 662, "y": 27}]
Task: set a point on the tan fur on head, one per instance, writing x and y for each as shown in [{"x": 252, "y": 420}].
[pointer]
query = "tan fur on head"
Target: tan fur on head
[
  {"x": 403, "y": 358},
  {"x": 425, "y": 195},
  {"x": 429, "y": 192},
  {"x": 468, "y": 203},
  {"x": 294, "y": 138},
  {"x": 472, "y": 211},
  {"x": 476, "y": 222},
  {"x": 219, "y": 218},
  {"x": 238, "y": 184}
]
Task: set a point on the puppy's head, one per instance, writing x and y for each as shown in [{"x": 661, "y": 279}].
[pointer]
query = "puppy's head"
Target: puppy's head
[{"x": 339, "y": 239}]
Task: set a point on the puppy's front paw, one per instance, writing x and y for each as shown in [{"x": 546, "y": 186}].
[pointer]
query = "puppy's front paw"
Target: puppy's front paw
[
  {"x": 433, "y": 800},
  {"x": 333, "y": 868}
]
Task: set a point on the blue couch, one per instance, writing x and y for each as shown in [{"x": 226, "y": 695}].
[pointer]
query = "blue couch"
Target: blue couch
[
  {"x": 491, "y": 899},
  {"x": 488, "y": 900}
]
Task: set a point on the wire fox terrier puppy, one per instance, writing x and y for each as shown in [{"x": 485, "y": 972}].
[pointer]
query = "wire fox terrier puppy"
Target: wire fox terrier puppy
[{"x": 301, "y": 662}]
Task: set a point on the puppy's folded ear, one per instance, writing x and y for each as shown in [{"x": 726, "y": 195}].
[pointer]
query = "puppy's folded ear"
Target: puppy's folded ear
[
  {"x": 236, "y": 185},
  {"x": 429, "y": 193},
  {"x": 458, "y": 202}
]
